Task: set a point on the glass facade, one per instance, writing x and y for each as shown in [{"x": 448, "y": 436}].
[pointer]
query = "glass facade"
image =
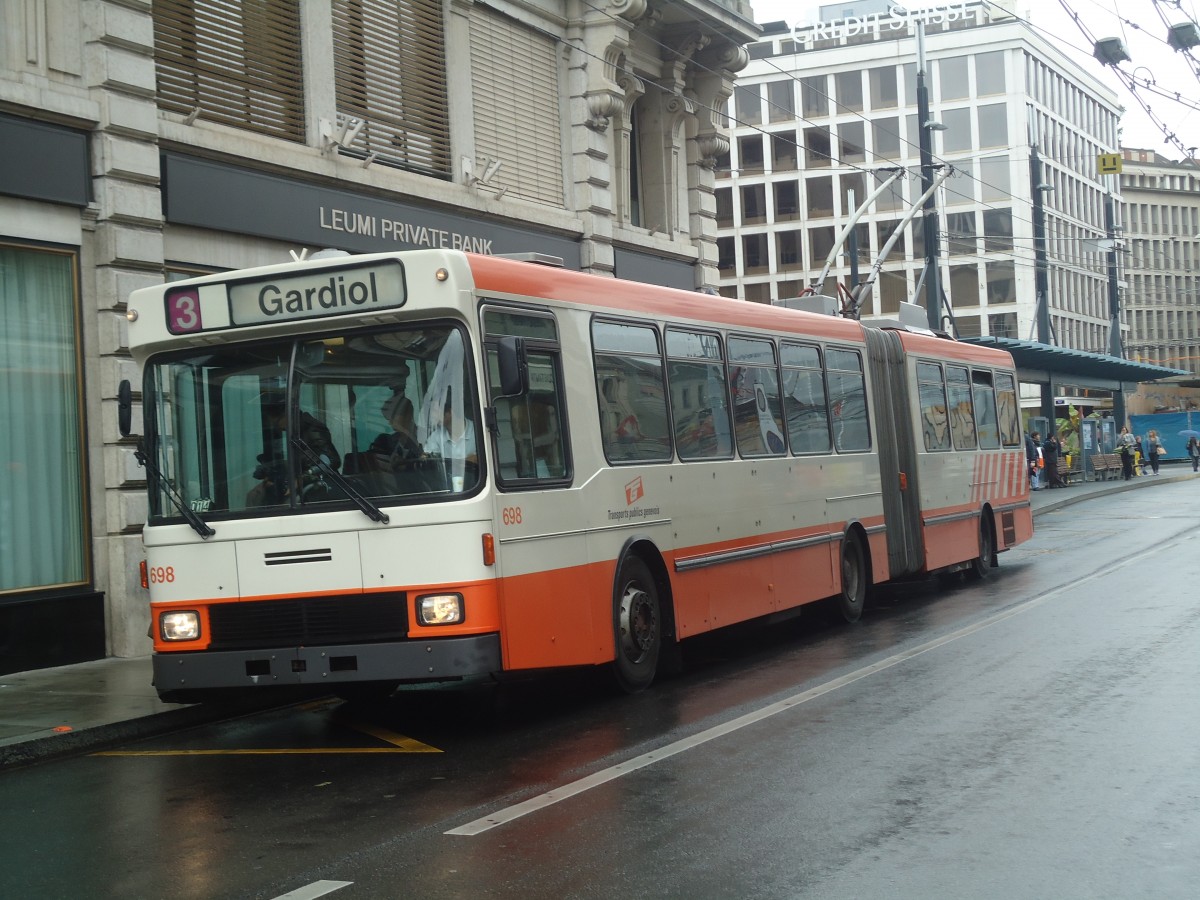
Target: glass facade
[{"x": 41, "y": 443}]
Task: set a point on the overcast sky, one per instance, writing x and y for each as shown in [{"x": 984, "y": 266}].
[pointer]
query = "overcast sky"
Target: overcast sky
[{"x": 1152, "y": 57}]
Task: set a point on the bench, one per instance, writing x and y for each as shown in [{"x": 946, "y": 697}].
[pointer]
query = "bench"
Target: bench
[
  {"x": 1106, "y": 466},
  {"x": 1065, "y": 472}
]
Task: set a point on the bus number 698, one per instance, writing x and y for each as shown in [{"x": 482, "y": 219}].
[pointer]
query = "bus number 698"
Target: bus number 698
[{"x": 511, "y": 515}]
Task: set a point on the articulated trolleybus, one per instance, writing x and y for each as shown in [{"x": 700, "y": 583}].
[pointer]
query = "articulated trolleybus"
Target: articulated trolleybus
[{"x": 429, "y": 466}]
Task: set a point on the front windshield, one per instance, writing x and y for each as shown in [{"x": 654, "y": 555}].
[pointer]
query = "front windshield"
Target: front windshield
[{"x": 289, "y": 424}]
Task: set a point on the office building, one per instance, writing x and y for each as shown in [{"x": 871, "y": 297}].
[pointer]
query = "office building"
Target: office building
[
  {"x": 829, "y": 110},
  {"x": 1161, "y": 259}
]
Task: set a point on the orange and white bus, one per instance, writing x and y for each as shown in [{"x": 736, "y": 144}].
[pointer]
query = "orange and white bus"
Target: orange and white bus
[{"x": 431, "y": 466}]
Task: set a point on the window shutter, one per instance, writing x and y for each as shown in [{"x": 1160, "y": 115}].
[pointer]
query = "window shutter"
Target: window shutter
[
  {"x": 239, "y": 63},
  {"x": 515, "y": 70},
  {"x": 390, "y": 72}
]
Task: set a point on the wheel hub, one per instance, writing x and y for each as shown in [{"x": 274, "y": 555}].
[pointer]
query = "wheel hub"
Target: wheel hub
[{"x": 639, "y": 620}]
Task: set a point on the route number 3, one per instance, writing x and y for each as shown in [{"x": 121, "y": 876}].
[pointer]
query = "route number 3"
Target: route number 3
[
  {"x": 183, "y": 312},
  {"x": 511, "y": 515}
]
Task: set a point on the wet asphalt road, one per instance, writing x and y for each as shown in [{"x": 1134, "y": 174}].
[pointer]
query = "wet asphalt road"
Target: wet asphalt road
[{"x": 1035, "y": 736}]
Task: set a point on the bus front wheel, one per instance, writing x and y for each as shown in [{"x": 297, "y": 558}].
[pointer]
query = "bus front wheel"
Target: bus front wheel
[
  {"x": 853, "y": 597},
  {"x": 637, "y": 626}
]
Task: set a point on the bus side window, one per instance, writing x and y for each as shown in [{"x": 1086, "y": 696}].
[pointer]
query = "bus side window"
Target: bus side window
[
  {"x": 962, "y": 416},
  {"x": 1006, "y": 411},
  {"x": 699, "y": 395},
  {"x": 805, "y": 409},
  {"x": 932, "y": 394},
  {"x": 530, "y": 441},
  {"x": 847, "y": 400},
  {"x": 986, "y": 424},
  {"x": 631, "y": 392}
]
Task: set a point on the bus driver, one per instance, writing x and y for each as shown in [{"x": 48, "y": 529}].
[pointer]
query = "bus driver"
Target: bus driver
[{"x": 452, "y": 439}]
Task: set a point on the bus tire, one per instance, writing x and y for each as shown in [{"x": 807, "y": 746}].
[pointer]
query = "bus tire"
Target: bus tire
[
  {"x": 637, "y": 626},
  {"x": 981, "y": 566},
  {"x": 853, "y": 596}
]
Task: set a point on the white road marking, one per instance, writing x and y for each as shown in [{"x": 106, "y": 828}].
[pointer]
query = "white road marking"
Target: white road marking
[
  {"x": 557, "y": 795},
  {"x": 316, "y": 889}
]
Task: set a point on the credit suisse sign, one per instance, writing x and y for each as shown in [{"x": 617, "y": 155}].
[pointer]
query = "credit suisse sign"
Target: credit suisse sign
[{"x": 897, "y": 18}]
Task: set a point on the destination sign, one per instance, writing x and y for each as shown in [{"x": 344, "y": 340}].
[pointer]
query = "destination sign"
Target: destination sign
[
  {"x": 286, "y": 297},
  {"x": 897, "y": 18}
]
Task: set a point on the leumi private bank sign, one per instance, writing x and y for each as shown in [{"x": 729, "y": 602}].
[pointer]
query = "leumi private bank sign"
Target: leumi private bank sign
[{"x": 897, "y": 20}]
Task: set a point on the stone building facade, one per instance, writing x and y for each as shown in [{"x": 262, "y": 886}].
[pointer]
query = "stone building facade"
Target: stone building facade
[{"x": 146, "y": 141}]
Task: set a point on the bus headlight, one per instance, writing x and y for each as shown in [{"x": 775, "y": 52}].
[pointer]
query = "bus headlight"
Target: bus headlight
[
  {"x": 440, "y": 609},
  {"x": 179, "y": 626}
]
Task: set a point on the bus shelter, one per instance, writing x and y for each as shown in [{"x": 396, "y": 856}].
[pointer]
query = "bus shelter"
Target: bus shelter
[{"x": 1057, "y": 369}]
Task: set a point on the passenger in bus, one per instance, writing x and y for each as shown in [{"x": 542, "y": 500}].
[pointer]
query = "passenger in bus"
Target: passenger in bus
[
  {"x": 452, "y": 439},
  {"x": 271, "y": 472},
  {"x": 400, "y": 444}
]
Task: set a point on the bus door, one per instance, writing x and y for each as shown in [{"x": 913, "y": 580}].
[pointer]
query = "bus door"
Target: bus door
[
  {"x": 897, "y": 452},
  {"x": 547, "y": 613}
]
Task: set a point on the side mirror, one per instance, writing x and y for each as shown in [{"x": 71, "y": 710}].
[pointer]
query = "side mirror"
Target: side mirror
[
  {"x": 125, "y": 408},
  {"x": 514, "y": 367}
]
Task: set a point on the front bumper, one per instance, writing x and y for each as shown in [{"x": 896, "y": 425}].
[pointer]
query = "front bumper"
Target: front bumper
[{"x": 445, "y": 659}]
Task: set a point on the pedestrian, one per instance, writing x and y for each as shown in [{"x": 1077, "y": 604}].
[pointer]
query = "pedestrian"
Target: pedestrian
[
  {"x": 1154, "y": 448},
  {"x": 1050, "y": 452},
  {"x": 1033, "y": 453},
  {"x": 1031, "y": 460},
  {"x": 1126, "y": 447},
  {"x": 1193, "y": 449}
]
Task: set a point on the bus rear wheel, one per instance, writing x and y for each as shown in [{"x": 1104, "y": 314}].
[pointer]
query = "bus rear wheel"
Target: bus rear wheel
[
  {"x": 981, "y": 566},
  {"x": 853, "y": 597},
  {"x": 637, "y": 626}
]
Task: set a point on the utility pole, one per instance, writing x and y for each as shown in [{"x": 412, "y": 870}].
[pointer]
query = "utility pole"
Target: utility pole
[
  {"x": 1114, "y": 300},
  {"x": 852, "y": 245},
  {"x": 933, "y": 293},
  {"x": 1041, "y": 268}
]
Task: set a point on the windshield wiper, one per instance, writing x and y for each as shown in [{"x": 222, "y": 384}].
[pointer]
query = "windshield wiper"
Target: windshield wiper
[
  {"x": 372, "y": 512},
  {"x": 198, "y": 525}
]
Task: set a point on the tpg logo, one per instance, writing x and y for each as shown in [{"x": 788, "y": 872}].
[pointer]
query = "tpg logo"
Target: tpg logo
[{"x": 634, "y": 491}]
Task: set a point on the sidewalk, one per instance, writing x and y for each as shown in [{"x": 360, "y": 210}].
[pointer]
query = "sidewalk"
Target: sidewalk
[{"x": 72, "y": 709}]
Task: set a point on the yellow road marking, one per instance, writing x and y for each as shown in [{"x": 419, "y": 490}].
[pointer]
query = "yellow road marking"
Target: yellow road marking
[
  {"x": 399, "y": 744},
  {"x": 407, "y": 744}
]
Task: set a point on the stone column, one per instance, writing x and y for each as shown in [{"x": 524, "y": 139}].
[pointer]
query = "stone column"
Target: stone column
[
  {"x": 600, "y": 42},
  {"x": 125, "y": 252},
  {"x": 710, "y": 83}
]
